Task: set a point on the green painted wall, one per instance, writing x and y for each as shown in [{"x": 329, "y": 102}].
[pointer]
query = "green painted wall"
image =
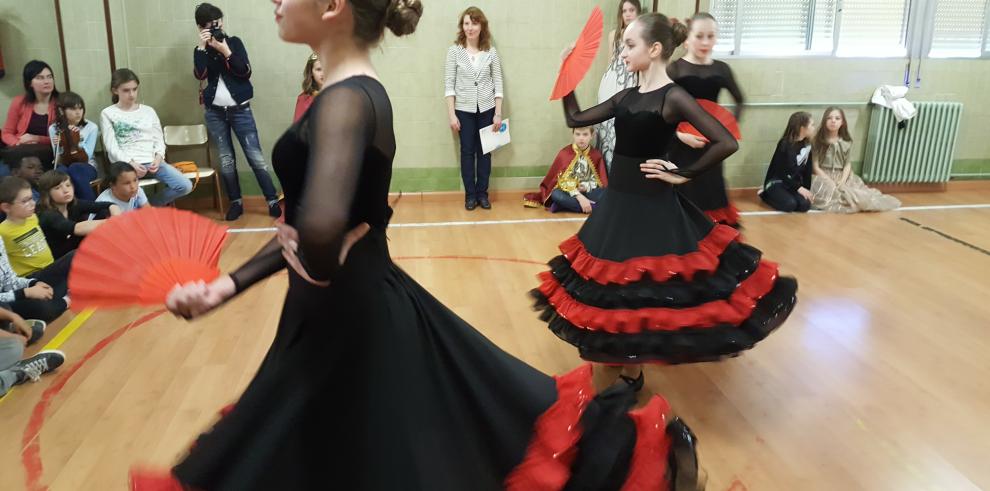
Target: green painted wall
[
  {"x": 156, "y": 37},
  {"x": 27, "y": 32}
]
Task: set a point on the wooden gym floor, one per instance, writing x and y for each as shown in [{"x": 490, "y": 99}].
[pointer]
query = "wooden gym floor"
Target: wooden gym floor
[{"x": 879, "y": 380}]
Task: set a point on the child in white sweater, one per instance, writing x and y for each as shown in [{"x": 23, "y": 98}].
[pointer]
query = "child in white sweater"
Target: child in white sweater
[{"x": 132, "y": 133}]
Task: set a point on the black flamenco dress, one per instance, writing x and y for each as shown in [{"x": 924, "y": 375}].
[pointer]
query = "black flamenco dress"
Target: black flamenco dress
[
  {"x": 373, "y": 384},
  {"x": 649, "y": 278},
  {"x": 707, "y": 190}
]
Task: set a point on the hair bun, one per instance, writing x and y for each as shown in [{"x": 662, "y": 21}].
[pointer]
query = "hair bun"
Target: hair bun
[
  {"x": 403, "y": 15},
  {"x": 679, "y": 31}
]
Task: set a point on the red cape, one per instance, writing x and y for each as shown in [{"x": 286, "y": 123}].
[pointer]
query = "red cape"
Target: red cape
[{"x": 564, "y": 158}]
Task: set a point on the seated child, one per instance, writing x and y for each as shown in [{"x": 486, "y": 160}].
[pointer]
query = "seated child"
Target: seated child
[
  {"x": 38, "y": 283},
  {"x": 28, "y": 167},
  {"x": 31, "y": 330},
  {"x": 74, "y": 143},
  {"x": 576, "y": 180},
  {"x": 834, "y": 185},
  {"x": 132, "y": 133},
  {"x": 787, "y": 186},
  {"x": 64, "y": 219},
  {"x": 122, "y": 188},
  {"x": 13, "y": 369}
]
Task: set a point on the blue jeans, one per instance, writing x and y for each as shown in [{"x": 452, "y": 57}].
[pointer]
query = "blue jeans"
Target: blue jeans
[
  {"x": 566, "y": 202},
  {"x": 475, "y": 181},
  {"x": 219, "y": 122},
  {"x": 11, "y": 350},
  {"x": 176, "y": 184},
  {"x": 81, "y": 174}
]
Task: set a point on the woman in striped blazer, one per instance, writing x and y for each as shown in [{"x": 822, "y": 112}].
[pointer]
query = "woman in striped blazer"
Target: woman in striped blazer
[{"x": 473, "y": 89}]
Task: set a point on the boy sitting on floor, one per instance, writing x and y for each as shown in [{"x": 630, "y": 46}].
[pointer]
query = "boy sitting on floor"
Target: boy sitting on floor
[{"x": 576, "y": 180}]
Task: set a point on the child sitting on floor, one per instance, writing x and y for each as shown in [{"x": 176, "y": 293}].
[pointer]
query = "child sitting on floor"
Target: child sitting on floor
[
  {"x": 65, "y": 219},
  {"x": 123, "y": 189},
  {"x": 27, "y": 268},
  {"x": 576, "y": 180}
]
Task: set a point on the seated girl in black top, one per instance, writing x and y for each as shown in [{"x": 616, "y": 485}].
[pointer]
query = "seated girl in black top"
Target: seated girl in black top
[
  {"x": 787, "y": 186},
  {"x": 64, "y": 219}
]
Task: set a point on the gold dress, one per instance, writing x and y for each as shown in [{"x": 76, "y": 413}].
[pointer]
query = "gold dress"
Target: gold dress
[{"x": 851, "y": 196}]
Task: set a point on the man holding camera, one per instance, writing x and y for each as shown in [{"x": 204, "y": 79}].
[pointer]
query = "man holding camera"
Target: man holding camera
[{"x": 222, "y": 62}]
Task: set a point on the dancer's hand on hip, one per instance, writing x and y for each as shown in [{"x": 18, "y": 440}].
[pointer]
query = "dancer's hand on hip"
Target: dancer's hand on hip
[
  {"x": 660, "y": 169},
  {"x": 288, "y": 238}
]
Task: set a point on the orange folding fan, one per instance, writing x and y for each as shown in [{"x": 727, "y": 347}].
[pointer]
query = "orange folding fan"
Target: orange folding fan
[
  {"x": 720, "y": 113},
  {"x": 138, "y": 257},
  {"x": 577, "y": 63}
]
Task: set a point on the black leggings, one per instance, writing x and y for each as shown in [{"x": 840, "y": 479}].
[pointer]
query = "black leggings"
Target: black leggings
[{"x": 782, "y": 199}]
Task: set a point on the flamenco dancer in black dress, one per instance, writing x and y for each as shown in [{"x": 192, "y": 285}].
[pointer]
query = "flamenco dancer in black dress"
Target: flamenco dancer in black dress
[
  {"x": 649, "y": 278},
  {"x": 371, "y": 383},
  {"x": 704, "y": 77}
]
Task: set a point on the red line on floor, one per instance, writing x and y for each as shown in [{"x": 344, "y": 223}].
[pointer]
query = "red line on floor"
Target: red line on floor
[
  {"x": 30, "y": 442},
  {"x": 737, "y": 485}
]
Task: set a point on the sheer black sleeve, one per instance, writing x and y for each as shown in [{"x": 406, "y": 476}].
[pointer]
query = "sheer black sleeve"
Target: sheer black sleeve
[
  {"x": 733, "y": 88},
  {"x": 680, "y": 106},
  {"x": 341, "y": 125},
  {"x": 265, "y": 263},
  {"x": 576, "y": 118},
  {"x": 341, "y": 130}
]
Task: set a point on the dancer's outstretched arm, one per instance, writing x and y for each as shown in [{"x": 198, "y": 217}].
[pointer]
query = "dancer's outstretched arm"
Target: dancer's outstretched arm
[
  {"x": 680, "y": 106},
  {"x": 576, "y": 118}
]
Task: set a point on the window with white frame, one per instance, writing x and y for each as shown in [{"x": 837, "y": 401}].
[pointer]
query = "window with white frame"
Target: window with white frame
[
  {"x": 873, "y": 28},
  {"x": 960, "y": 29},
  {"x": 725, "y": 12},
  {"x": 860, "y": 28}
]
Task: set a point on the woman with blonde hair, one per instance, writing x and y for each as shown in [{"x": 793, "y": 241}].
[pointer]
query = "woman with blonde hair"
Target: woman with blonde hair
[{"x": 311, "y": 85}]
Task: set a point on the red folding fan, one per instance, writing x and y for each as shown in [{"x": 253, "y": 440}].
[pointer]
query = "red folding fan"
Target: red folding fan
[
  {"x": 138, "y": 257},
  {"x": 720, "y": 113},
  {"x": 577, "y": 63}
]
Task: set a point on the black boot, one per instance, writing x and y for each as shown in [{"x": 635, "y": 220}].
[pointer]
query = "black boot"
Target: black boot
[{"x": 235, "y": 211}]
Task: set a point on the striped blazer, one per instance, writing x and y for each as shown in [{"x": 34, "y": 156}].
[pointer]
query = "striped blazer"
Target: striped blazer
[{"x": 473, "y": 90}]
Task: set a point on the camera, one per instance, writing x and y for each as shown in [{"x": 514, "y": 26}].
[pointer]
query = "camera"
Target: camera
[{"x": 217, "y": 32}]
